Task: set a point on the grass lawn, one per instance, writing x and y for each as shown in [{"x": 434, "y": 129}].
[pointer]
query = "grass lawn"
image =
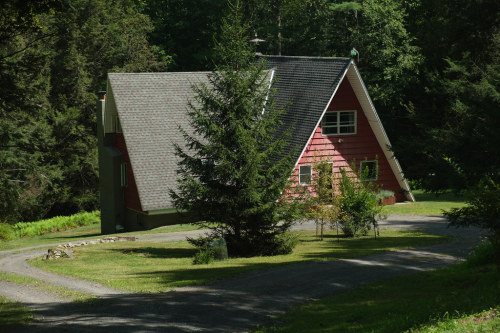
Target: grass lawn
[
  {"x": 13, "y": 314},
  {"x": 427, "y": 204},
  {"x": 46, "y": 286},
  {"x": 459, "y": 298},
  {"x": 81, "y": 233},
  {"x": 156, "y": 267}
]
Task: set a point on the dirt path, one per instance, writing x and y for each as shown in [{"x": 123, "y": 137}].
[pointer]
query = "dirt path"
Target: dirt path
[{"x": 236, "y": 304}]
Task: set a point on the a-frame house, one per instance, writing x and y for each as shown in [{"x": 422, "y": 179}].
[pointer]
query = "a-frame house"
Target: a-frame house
[{"x": 326, "y": 104}]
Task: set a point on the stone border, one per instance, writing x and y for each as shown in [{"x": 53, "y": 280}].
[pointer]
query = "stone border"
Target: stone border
[{"x": 66, "y": 250}]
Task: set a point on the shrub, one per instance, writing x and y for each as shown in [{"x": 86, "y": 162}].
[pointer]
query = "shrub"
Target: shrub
[
  {"x": 482, "y": 255},
  {"x": 483, "y": 210},
  {"x": 6, "y": 232},
  {"x": 204, "y": 256},
  {"x": 359, "y": 206},
  {"x": 382, "y": 194},
  {"x": 58, "y": 223}
]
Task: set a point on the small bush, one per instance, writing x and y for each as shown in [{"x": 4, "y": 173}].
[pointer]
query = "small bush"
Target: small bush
[
  {"x": 358, "y": 205},
  {"x": 482, "y": 210},
  {"x": 287, "y": 242},
  {"x": 6, "y": 232},
  {"x": 203, "y": 257},
  {"x": 58, "y": 223},
  {"x": 484, "y": 254},
  {"x": 382, "y": 194}
]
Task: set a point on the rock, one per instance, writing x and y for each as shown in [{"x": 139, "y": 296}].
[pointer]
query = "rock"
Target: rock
[{"x": 68, "y": 253}]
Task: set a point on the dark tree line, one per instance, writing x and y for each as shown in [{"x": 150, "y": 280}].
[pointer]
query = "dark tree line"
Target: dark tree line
[{"x": 431, "y": 68}]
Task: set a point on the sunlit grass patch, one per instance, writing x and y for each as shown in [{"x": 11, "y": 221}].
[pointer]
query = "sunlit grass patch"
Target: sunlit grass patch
[
  {"x": 46, "y": 286},
  {"x": 159, "y": 266},
  {"x": 427, "y": 204}
]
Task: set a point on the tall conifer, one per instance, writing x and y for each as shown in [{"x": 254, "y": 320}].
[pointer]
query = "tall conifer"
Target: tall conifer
[{"x": 231, "y": 171}]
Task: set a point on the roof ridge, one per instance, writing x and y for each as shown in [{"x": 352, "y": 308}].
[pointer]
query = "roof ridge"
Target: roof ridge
[
  {"x": 154, "y": 73},
  {"x": 303, "y": 57}
]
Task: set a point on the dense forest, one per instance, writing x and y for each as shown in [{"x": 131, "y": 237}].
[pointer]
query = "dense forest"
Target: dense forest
[{"x": 432, "y": 69}]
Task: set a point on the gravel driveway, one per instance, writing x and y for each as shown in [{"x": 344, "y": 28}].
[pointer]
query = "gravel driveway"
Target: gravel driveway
[{"x": 233, "y": 305}]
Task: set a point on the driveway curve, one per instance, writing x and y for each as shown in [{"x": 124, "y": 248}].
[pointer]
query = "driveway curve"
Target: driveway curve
[{"x": 240, "y": 303}]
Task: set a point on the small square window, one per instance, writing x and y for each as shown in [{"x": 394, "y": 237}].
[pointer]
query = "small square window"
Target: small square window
[
  {"x": 305, "y": 174},
  {"x": 368, "y": 170}
]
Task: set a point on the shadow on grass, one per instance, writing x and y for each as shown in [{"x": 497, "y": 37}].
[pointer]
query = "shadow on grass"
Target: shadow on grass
[
  {"x": 238, "y": 305},
  {"x": 153, "y": 252},
  {"x": 61, "y": 237}
]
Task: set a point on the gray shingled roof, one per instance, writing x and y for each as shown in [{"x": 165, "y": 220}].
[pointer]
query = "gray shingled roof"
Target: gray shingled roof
[
  {"x": 304, "y": 87},
  {"x": 151, "y": 107}
]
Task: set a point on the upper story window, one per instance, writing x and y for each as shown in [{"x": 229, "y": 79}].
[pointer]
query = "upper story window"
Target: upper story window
[{"x": 338, "y": 123}]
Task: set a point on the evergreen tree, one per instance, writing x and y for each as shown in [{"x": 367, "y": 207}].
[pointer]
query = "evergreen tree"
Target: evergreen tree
[{"x": 230, "y": 172}]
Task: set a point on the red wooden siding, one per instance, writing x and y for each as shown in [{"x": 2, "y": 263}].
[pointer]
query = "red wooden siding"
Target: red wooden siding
[
  {"x": 130, "y": 193},
  {"x": 342, "y": 150}
]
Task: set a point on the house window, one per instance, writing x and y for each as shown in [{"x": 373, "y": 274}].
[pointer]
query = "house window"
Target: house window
[
  {"x": 338, "y": 123},
  {"x": 123, "y": 175},
  {"x": 369, "y": 170},
  {"x": 305, "y": 174}
]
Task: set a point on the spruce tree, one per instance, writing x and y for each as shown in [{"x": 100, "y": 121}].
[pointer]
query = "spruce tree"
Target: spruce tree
[{"x": 232, "y": 173}]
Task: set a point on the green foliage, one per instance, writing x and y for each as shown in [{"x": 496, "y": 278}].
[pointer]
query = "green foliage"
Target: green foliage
[
  {"x": 449, "y": 294},
  {"x": 6, "y": 232},
  {"x": 58, "y": 223},
  {"x": 358, "y": 205},
  {"x": 483, "y": 254},
  {"x": 14, "y": 314},
  {"x": 54, "y": 56},
  {"x": 204, "y": 257},
  {"x": 323, "y": 204},
  {"x": 382, "y": 194},
  {"x": 483, "y": 210},
  {"x": 230, "y": 173}
]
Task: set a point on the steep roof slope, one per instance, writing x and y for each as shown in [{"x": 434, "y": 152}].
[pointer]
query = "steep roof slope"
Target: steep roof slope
[
  {"x": 151, "y": 107},
  {"x": 305, "y": 87}
]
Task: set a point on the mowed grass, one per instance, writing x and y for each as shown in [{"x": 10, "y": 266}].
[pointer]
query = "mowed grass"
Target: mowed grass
[
  {"x": 46, "y": 286},
  {"x": 13, "y": 314},
  {"x": 82, "y": 233},
  {"x": 458, "y": 298},
  {"x": 427, "y": 204},
  {"x": 159, "y": 266}
]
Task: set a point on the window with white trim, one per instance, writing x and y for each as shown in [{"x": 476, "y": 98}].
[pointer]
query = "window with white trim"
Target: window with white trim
[
  {"x": 338, "y": 123},
  {"x": 305, "y": 174},
  {"x": 368, "y": 170}
]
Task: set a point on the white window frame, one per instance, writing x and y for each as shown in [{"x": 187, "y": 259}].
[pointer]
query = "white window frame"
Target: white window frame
[
  {"x": 361, "y": 171},
  {"x": 305, "y": 174},
  {"x": 338, "y": 126}
]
